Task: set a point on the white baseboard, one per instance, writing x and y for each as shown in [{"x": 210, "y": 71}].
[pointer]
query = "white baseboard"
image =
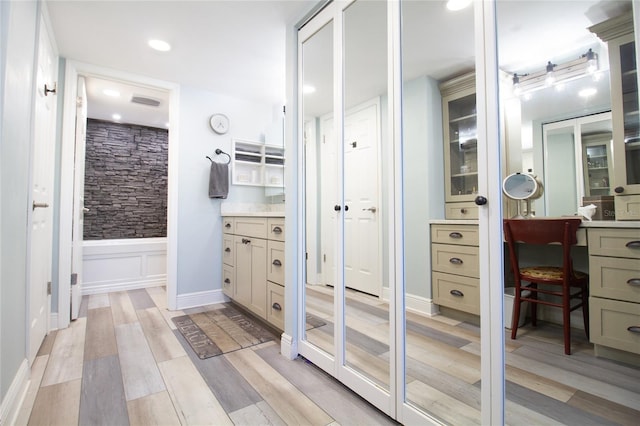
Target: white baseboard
[
  {"x": 123, "y": 286},
  {"x": 14, "y": 398},
  {"x": 417, "y": 304},
  {"x": 288, "y": 348},
  {"x": 201, "y": 298}
]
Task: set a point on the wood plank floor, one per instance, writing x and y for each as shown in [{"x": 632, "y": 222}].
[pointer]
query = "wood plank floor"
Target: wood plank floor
[
  {"x": 544, "y": 386},
  {"x": 123, "y": 363}
]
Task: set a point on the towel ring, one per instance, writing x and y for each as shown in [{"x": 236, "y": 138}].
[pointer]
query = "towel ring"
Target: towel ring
[{"x": 218, "y": 151}]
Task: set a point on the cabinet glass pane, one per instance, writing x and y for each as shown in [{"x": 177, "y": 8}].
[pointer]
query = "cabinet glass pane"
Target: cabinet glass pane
[
  {"x": 630, "y": 108},
  {"x": 597, "y": 177},
  {"x": 463, "y": 145}
]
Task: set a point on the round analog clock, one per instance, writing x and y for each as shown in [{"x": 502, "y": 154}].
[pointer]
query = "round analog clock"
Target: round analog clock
[{"x": 219, "y": 123}]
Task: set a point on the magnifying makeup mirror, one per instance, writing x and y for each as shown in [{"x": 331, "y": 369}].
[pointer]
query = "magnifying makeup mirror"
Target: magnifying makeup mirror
[{"x": 522, "y": 186}]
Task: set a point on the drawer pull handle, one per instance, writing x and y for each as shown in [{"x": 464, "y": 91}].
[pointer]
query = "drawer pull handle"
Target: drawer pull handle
[
  {"x": 457, "y": 293},
  {"x": 455, "y": 235},
  {"x": 633, "y": 244},
  {"x": 276, "y": 263},
  {"x": 634, "y": 281},
  {"x": 227, "y": 225},
  {"x": 276, "y": 306},
  {"x": 456, "y": 261},
  {"x": 228, "y": 250},
  {"x": 634, "y": 328},
  {"x": 246, "y": 241},
  {"x": 276, "y": 230},
  {"x": 227, "y": 281}
]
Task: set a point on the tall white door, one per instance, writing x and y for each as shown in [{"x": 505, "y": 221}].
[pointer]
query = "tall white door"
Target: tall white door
[
  {"x": 78, "y": 198},
  {"x": 361, "y": 221},
  {"x": 42, "y": 192}
]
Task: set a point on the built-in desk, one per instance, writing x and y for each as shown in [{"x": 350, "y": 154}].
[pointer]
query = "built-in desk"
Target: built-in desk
[{"x": 608, "y": 250}]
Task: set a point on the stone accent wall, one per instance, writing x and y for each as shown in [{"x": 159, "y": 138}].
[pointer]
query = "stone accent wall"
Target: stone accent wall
[{"x": 125, "y": 185}]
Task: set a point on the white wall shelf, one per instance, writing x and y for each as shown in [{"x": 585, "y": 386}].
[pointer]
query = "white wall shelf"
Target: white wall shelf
[{"x": 257, "y": 164}]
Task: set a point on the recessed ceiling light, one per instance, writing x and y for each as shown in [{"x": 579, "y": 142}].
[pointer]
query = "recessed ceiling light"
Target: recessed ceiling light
[
  {"x": 160, "y": 45},
  {"x": 116, "y": 116},
  {"x": 111, "y": 92},
  {"x": 457, "y": 4},
  {"x": 307, "y": 89}
]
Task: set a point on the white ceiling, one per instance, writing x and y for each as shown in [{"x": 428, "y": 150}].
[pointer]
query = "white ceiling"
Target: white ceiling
[{"x": 237, "y": 47}]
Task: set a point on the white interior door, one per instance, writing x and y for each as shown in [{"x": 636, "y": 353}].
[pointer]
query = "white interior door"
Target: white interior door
[
  {"x": 361, "y": 189},
  {"x": 42, "y": 193},
  {"x": 78, "y": 198}
]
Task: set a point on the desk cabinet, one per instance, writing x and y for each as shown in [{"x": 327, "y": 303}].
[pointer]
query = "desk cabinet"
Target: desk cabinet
[
  {"x": 614, "y": 302},
  {"x": 253, "y": 265},
  {"x": 455, "y": 267}
]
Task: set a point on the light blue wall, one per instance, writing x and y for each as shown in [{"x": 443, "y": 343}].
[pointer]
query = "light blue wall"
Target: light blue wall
[
  {"x": 18, "y": 41},
  {"x": 423, "y": 160},
  {"x": 199, "y": 220}
]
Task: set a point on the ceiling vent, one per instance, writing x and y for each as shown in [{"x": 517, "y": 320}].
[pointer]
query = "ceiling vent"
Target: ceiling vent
[{"x": 145, "y": 101}]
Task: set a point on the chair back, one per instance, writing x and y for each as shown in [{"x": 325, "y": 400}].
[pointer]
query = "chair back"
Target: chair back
[{"x": 542, "y": 231}]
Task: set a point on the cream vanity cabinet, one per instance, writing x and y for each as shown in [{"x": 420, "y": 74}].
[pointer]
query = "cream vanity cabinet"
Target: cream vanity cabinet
[
  {"x": 614, "y": 289},
  {"x": 253, "y": 265},
  {"x": 460, "y": 147},
  {"x": 619, "y": 36},
  {"x": 455, "y": 266}
]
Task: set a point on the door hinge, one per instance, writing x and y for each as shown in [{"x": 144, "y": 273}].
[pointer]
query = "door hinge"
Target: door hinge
[
  {"x": 74, "y": 278},
  {"x": 324, "y": 257},
  {"x": 306, "y": 256},
  {"x": 49, "y": 288}
]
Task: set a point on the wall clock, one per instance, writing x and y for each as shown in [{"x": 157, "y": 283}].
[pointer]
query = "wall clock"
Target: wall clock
[{"x": 219, "y": 123}]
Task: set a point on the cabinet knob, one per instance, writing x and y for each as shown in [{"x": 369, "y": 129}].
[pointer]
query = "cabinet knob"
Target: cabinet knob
[
  {"x": 456, "y": 261},
  {"x": 246, "y": 241},
  {"x": 276, "y": 262},
  {"x": 463, "y": 210},
  {"x": 456, "y": 293},
  {"x": 276, "y": 230},
  {"x": 455, "y": 235},
  {"x": 618, "y": 189},
  {"x": 634, "y": 282},
  {"x": 276, "y": 306},
  {"x": 480, "y": 200},
  {"x": 227, "y": 225},
  {"x": 337, "y": 207},
  {"x": 634, "y": 329},
  {"x": 228, "y": 250},
  {"x": 227, "y": 281}
]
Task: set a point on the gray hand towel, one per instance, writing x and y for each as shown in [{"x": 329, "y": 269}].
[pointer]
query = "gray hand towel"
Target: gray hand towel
[{"x": 218, "y": 180}]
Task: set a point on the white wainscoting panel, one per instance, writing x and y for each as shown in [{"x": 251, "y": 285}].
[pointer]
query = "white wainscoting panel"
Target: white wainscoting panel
[{"x": 126, "y": 264}]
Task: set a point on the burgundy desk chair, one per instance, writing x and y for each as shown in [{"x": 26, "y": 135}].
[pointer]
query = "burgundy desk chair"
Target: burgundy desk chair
[{"x": 561, "y": 280}]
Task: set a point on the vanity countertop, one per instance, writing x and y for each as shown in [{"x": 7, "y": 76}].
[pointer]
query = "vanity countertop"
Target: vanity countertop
[{"x": 252, "y": 210}]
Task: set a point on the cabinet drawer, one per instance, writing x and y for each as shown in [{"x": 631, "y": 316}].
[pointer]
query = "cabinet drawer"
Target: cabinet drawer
[
  {"x": 614, "y": 278},
  {"x": 616, "y": 242},
  {"x": 466, "y": 235},
  {"x": 453, "y": 291},
  {"x": 466, "y": 210},
  {"x": 227, "y": 225},
  {"x": 460, "y": 260},
  {"x": 228, "y": 252},
  {"x": 627, "y": 207},
  {"x": 276, "y": 228},
  {"x": 228, "y": 280},
  {"x": 615, "y": 324},
  {"x": 275, "y": 305},
  {"x": 275, "y": 261},
  {"x": 251, "y": 226}
]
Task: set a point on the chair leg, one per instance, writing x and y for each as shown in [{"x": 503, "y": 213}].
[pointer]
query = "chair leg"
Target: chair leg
[
  {"x": 516, "y": 314},
  {"x": 566, "y": 321},
  {"x": 585, "y": 310},
  {"x": 534, "y": 305}
]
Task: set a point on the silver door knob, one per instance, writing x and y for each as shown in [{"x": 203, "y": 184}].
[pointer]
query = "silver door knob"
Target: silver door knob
[
  {"x": 39, "y": 205},
  {"x": 371, "y": 209}
]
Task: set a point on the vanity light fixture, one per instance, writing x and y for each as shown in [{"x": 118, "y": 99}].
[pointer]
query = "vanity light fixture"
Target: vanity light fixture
[
  {"x": 554, "y": 74},
  {"x": 159, "y": 45},
  {"x": 454, "y": 5}
]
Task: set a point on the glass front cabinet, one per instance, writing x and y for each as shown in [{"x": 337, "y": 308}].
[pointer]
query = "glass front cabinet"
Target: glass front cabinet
[
  {"x": 619, "y": 36},
  {"x": 460, "y": 146},
  {"x": 596, "y": 157}
]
